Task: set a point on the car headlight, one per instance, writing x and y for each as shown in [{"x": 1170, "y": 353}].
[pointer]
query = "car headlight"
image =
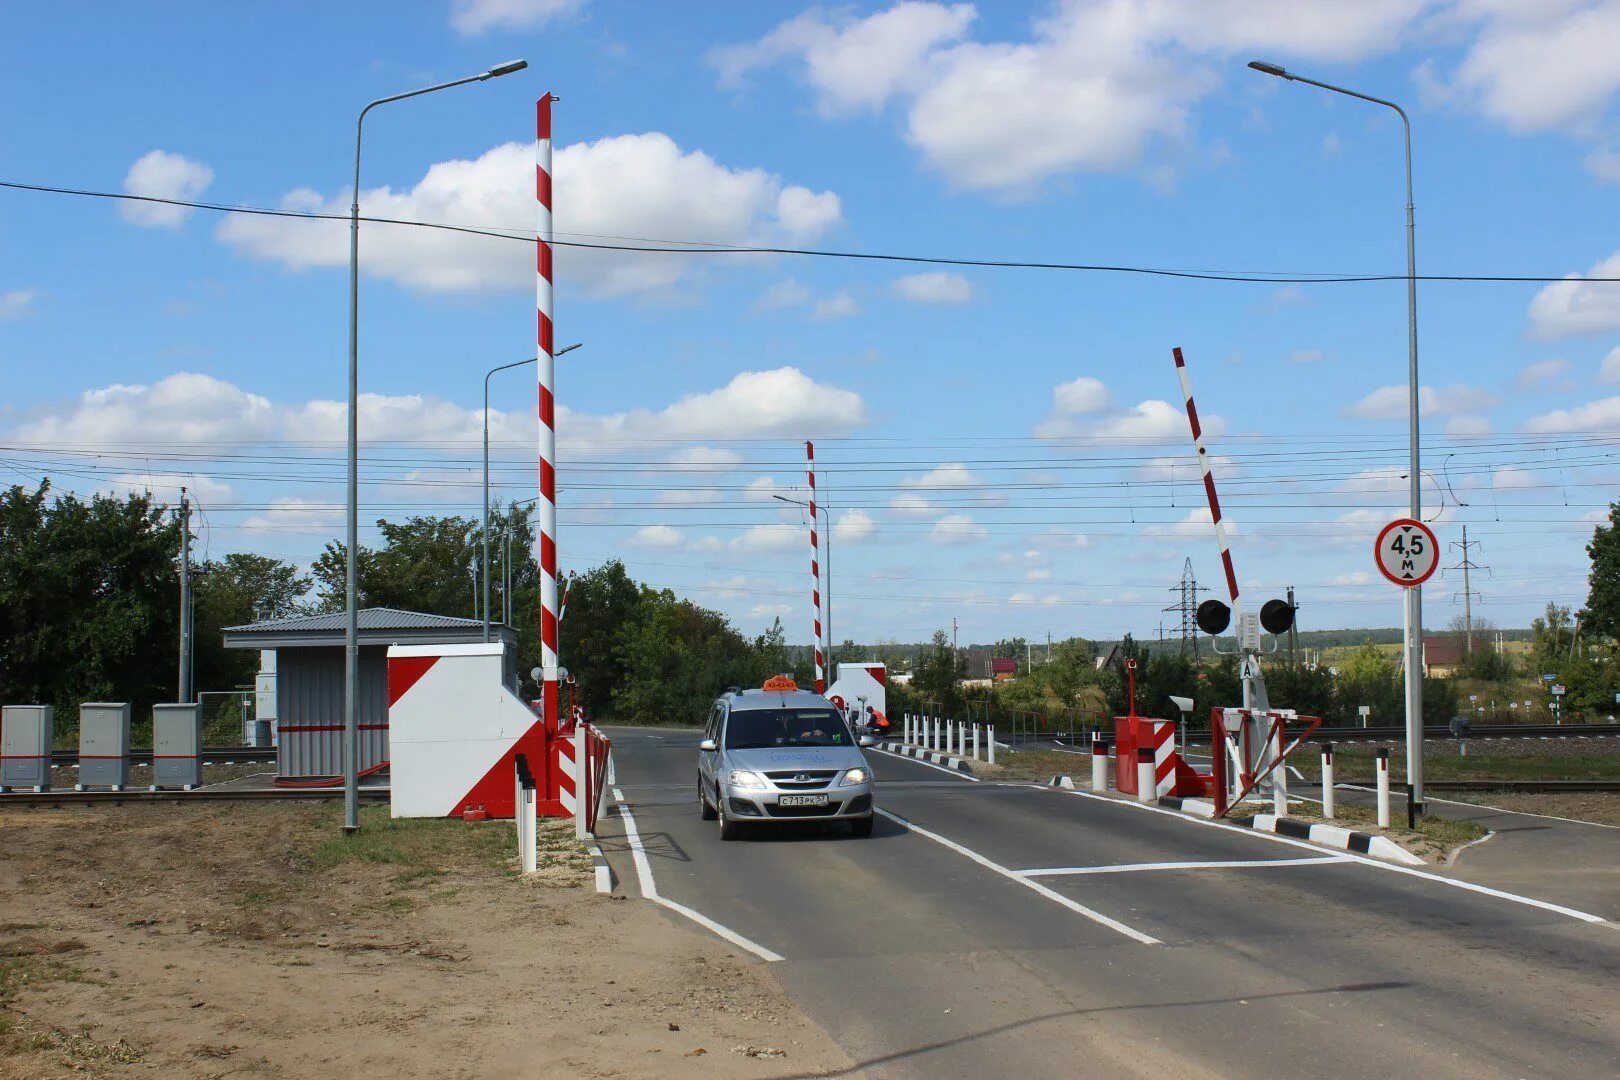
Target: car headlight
[
  {"x": 741, "y": 778},
  {"x": 856, "y": 776}
]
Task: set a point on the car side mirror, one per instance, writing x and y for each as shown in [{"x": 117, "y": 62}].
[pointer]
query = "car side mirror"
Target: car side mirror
[
  {"x": 708, "y": 746},
  {"x": 867, "y": 740}
]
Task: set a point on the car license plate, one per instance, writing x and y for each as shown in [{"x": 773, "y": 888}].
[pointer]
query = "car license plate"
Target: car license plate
[{"x": 801, "y": 800}]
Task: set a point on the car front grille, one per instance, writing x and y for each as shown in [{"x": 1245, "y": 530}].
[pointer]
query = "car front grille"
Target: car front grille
[{"x": 812, "y": 779}]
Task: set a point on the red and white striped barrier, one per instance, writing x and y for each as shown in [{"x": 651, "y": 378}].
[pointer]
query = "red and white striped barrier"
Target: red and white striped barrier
[
  {"x": 815, "y": 570},
  {"x": 1131, "y": 736},
  {"x": 546, "y": 377},
  {"x": 1209, "y": 487}
]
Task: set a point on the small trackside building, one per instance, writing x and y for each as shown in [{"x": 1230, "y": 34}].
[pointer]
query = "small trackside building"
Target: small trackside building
[{"x": 308, "y": 678}]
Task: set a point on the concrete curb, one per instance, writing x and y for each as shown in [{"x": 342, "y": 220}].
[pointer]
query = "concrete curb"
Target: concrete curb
[
  {"x": 603, "y": 872},
  {"x": 932, "y": 756},
  {"x": 1378, "y": 847},
  {"x": 1200, "y": 807},
  {"x": 1062, "y": 780}
]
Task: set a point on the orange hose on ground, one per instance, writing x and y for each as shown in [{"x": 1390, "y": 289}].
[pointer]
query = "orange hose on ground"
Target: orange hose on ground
[{"x": 327, "y": 781}]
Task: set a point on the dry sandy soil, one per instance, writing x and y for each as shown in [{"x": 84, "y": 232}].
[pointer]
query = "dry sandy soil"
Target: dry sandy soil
[{"x": 215, "y": 940}]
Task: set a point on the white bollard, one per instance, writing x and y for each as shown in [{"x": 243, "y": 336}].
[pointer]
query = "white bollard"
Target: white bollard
[
  {"x": 933, "y": 733},
  {"x": 1327, "y": 781},
  {"x": 528, "y": 826},
  {"x": 1147, "y": 779},
  {"x": 975, "y": 742},
  {"x": 1099, "y": 765},
  {"x": 961, "y": 740},
  {"x": 990, "y": 740},
  {"x": 1383, "y": 787}
]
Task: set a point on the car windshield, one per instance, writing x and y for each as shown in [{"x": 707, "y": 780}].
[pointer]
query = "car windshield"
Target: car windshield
[{"x": 753, "y": 729}]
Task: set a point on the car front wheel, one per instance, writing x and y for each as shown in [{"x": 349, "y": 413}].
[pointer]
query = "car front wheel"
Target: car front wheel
[
  {"x": 729, "y": 830},
  {"x": 707, "y": 812}
]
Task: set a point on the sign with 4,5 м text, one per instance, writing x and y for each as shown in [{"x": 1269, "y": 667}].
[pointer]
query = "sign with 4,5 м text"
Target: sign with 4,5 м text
[{"x": 1406, "y": 552}]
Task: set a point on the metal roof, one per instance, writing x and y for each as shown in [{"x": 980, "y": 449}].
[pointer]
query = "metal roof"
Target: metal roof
[
  {"x": 371, "y": 618},
  {"x": 378, "y": 626}
]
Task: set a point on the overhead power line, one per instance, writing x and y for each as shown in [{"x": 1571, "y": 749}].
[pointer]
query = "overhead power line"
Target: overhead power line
[{"x": 682, "y": 247}]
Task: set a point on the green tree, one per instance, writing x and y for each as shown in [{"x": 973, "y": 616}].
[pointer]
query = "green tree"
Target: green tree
[
  {"x": 1602, "y": 613},
  {"x": 240, "y": 588},
  {"x": 89, "y": 601},
  {"x": 936, "y": 677}
]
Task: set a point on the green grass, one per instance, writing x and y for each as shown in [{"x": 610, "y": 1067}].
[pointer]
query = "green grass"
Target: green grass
[
  {"x": 1357, "y": 763},
  {"x": 1441, "y": 831},
  {"x": 425, "y": 846}
]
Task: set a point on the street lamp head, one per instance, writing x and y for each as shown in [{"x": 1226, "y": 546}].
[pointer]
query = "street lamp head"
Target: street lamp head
[
  {"x": 1270, "y": 69},
  {"x": 504, "y": 69},
  {"x": 568, "y": 348}
]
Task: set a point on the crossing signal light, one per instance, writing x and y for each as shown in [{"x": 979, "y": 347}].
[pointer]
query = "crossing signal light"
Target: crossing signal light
[
  {"x": 1213, "y": 617},
  {"x": 1276, "y": 616}
]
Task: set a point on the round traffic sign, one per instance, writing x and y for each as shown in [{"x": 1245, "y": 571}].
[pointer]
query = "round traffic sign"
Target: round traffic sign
[{"x": 1406, "y": 552}]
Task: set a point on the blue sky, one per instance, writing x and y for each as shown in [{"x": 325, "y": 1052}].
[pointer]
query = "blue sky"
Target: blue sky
[{"x": 1002, "y": 447}]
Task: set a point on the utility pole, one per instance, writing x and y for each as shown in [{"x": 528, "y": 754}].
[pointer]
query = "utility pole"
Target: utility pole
[
  {"x": 183, "y": 684},
  {"x": 1293, "y": 627},
  {"x": 1049, "y": 646},
  {"x": 1467, "y": 590},
  {"x": 1186, "y": 605}
]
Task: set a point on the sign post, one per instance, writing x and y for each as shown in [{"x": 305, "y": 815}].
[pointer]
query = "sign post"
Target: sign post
[{"x": 1408, "y": 555}]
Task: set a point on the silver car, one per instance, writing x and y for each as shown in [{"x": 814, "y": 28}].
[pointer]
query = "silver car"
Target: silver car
[{"x": 778, "y": 755}]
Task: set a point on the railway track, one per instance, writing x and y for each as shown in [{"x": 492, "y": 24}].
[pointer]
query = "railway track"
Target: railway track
[
  {"x": 1371, "y": 734},
  {"x": 1526, "y": 786}
]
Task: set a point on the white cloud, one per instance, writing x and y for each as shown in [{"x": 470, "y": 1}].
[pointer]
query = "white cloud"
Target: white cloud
[
  {"x": 1536, "y": 66},
  {"x": 401, "y": 418},
  {"x": 1604, "y": 163},
  {"x": 1542, "y": 374},
  {"x": 627, "y": 185},
  {"x": 1147, "y": 421},
  {"x": 935, "y": 288},
  {"x": 853, "y": 64},
  {"x": 1358, "y": 577},
  {"x": 1576, "y": 305},
  {"x": 853, "y": 526},
  {"x": 1038, "y": 574},
  {"x": 912, "y": 506},
  {"x": 159, "y": 174},
  {"x": 166, "y": 487},
  {"x": 783, "y": 294},
  {"x": 17, "y": 304},
  {"x": 1508, "y": 478},
  {"x": 780, "y": 536},
  {"x": 771, "y": 609},
  {"x": 1609, "y": 372},
  {"x": 838, "y": 306},
  {"x": 755, "y": 404},
  {"x": 1370, "y": 480},
  {"x": 957, "y": 529},
  {"x": 1390, "y": 402},
  {"x": 699, "y": 496},
  {"x": 657, "y": 538},
  {"x": 1464, "y": 426},
  {"x": 476, "y": 16},
  {"x": 181, "y": 408},
  {"x": 1306, "y": 356},
  {"x": 1196, "y": 525},
  {"x": 1091, "y": 87},
  {"x": 296, "y": 514},
  {"x": 1083, "y": 396},
  {"x": 951, "y": 474},
  {"x": 1600, "y": 415},
  {"x": 706, "y": 459}
]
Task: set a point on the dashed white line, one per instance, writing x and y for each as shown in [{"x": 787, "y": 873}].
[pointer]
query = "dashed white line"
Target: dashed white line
[
  {"x": 1129, "y": 868},
  {"x": 649, "y": 888},
  {"x": 1011, "y": 875}
]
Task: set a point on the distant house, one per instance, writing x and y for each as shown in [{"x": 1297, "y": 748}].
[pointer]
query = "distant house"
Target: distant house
[
  {"x": 1112, "y": 660},
  {"x": 1003, "y": 668},
  {"x": 975, "y": 661},
  {"x": 1443, "y": 656}
]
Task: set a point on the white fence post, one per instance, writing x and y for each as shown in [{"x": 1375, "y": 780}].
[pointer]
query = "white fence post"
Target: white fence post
[
  {"x": 990, "y": 738},
  {"x": 1099, "y": 765},
  {"x": 528, "y": 825},
  {"x": 1327, "y": 781},
  {"x": 1383, "y": 787},
  {"x": 1147, "y": 779},
  {"x": 975, "y": 742}
]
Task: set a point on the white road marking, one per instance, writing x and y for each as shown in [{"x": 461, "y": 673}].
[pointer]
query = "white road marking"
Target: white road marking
[
  {"x": 1467, "y": 886},
  {"x": 1451, "y": 860},
  {"x": 649, "y": 888},
  {"x": 1126, "y": 868},
  {"x": 929, "y": 764},
  {"x": 1011, "y": 875},
  {"x": 1485, "y": 806}
]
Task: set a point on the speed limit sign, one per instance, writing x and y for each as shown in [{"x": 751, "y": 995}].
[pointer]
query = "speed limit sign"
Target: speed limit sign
[{"x": 1406, "y": 552}]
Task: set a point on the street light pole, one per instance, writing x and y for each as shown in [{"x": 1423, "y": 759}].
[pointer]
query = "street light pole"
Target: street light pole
[
  {"x": 351, "y": 636},
  {"x": 1413, "y": 651},
  {"x": 826, "y": 514},
  {"x": 484, "y": 562}
]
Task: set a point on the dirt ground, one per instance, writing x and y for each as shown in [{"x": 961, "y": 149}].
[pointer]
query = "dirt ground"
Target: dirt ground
[
  {"x": 1602, "y": 807},
  {"x": 224, "y": 940}
]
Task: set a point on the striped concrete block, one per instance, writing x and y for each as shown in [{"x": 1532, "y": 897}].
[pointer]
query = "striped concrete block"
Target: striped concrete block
[
  {"x": 933, "y": 757},
  {"x": 599, "y": 865},
  {"x": 1378, "y": 847},
  {"x": 1200, "y": 807}
]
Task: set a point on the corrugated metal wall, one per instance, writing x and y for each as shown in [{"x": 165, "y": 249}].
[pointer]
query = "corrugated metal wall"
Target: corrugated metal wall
[{"x": 309, "y": 694}]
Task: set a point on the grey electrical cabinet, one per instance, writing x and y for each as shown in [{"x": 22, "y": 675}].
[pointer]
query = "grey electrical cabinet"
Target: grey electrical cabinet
[
  {"x": 26, "y": 733},
  {"x": 103, "y": 745},
  {"x": 176, "y": 746}
]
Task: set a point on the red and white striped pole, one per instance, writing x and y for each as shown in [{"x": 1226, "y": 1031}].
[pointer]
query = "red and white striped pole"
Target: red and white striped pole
[
  {"x": 815, "y": 569},
  {"x": 1209, "y": 486},
  {"x": 547, "y": 378}
]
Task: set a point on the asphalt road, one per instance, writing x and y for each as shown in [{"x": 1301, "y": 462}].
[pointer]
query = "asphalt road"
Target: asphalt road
[{"x": 925, "y": 953}]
